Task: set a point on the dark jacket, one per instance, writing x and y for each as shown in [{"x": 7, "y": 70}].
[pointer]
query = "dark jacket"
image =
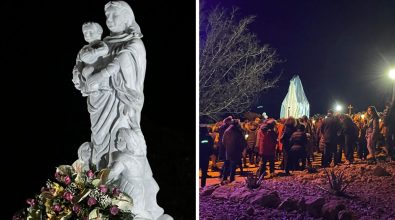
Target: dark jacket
[
  {"x": 234, "y": 143},
  {"x": 349, "y": 128},
  {"x": 288, "y": 131},
  {"x": 329, "y": 129},
  {"x": 298, "y": 138},
  {"x": 221, "y": 131},
  {"x": 206, "y": 144}
]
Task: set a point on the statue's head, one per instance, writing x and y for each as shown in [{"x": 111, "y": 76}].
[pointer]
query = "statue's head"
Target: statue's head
[
  {"x": 85, "y": 152},
  {"x": 125, "y": 140},
  {"x": 92, "y": 31},
  {"x": 122, "y": 136},
  {"x": 120, "y": 18},
  {"x": 131, "y": 141}
]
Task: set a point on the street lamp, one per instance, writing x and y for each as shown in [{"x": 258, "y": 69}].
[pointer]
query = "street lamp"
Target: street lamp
[
  {"x": 391, "y": 74},
  {"x": 338, "y": 108}
]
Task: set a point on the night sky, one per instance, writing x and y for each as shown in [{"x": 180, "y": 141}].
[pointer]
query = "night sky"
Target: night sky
[
  {"x": 46, "y": 118},
  {"x": 342, "y": 50}
]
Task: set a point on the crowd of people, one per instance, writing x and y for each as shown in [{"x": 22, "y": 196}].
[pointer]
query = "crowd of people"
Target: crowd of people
[{"x": 295, "y": 142}]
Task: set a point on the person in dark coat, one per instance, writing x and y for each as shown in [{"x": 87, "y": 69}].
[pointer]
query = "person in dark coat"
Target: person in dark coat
[
  {"x": 221, "y": 130},
  {"x": 340, "y": 143},
  {"x": 329, "y": 129},
  {"x": 350, "y": 132},
  {"x": 389, "y": 124},
  {"x": 234, "y": 143},
  {"x": 289, "y": 129},
  {"x": 297, "y": 152},
  {"x": 206, "y": 144}
]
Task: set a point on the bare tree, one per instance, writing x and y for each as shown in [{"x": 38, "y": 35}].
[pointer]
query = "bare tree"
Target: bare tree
[{"x": 233, "y": 65}]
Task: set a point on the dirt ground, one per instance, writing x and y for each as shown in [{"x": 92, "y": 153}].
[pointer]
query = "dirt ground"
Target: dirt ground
[{"x": 369, "y": 195}]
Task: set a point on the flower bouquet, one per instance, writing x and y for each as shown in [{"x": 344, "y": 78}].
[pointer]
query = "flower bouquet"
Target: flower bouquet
[{"x": 78, "y": 194}]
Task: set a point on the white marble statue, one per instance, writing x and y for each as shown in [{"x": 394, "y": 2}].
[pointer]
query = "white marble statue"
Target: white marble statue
[
  {"x": 115, "y": 96},
  {"x": 113, "y": 82},
  {"x": 88, "y": 58},
  {"x": 138, "y": 181},
  {"x": 85, "y": 155}
]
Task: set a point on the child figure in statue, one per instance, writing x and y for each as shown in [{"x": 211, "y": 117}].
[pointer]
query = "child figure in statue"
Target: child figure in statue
[
  {"x": 130, "y": 170},
  {"x": 90, "y": 56}
]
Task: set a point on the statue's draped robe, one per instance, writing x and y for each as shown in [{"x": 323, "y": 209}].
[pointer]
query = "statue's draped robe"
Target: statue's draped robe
[
  {"x": 295, "y": 103},
  {"x": 133, "y": 174},
  {"x": 121, "y": 106}
]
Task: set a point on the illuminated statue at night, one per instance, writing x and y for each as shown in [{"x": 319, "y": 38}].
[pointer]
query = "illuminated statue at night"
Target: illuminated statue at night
[
  {"x": 115, "y": 100},
  {"x": 295, "y": 103}
]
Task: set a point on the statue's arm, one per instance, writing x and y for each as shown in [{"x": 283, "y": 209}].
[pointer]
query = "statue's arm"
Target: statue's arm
[
  {"x": 115, "y": 171},
  {"x": 77, "y": 72},
  {"x": 111, "y": 69},
  {"x": 102, "y": 50}
]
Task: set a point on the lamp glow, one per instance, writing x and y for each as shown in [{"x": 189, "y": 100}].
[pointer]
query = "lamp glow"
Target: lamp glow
[
  {"x": 338, "y": 108},
  {"x": 391, "y": 74}
]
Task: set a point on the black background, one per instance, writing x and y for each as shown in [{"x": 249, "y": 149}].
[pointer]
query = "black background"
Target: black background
[{"x": 46, "y": 118}]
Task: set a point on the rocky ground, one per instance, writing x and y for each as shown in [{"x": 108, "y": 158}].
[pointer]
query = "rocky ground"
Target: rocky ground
[{"x": 369, "y": 195}]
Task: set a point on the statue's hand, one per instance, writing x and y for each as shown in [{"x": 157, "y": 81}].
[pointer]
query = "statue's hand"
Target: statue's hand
[
  {"x": 77, "y": 82},
  {"x": 93, "y": 81},
  {"x": 126, "y": 109},
  {"x": 88, "y": 70}
]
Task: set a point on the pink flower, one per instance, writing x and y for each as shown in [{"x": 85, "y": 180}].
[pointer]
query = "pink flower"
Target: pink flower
[
  {"x": 76, "y": 208},
  {"x": 31, "y": 202},
  {"x": 103, "y": 188},
  {"x": 67, "y": 180},
  {"x": 90, "y": 173},
  {"x": 116, "y": 191},
  {"x": 57, "y": 176},
  {"x": 114, "y": 210},
  {"x": 91, "y": 201},
  {"x": 57, "y": 208},
  {"x": 68, "y": 196}
]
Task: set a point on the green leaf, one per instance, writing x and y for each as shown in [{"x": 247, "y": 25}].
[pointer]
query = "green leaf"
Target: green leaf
[
  {"x": 96, "y": 182},
  {"x": 103, "y": 175},
  {"x": 94, "y": 214}
]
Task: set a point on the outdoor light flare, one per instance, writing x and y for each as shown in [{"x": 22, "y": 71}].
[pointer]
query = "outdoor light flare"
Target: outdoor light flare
[
  {"x": 391, "y": 74},
  {"x": 338, "y": 108}
]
